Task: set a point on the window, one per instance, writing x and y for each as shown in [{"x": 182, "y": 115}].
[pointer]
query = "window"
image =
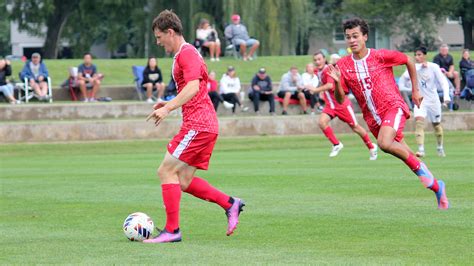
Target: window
[
  {"x": 338, "y": 35},
  {"x": 453, "y": 20}
]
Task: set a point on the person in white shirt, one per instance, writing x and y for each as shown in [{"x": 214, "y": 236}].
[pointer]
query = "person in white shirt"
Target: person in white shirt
[
  {"x": 311, "y": 81},
  {"x": 430, "y": 78},
  {"x": 209, "y": 38},
  {"x": 230, "y": 89}
]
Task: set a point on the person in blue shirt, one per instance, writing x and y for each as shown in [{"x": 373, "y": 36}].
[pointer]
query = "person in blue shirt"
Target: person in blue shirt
[{"x": 37, "y": 74}]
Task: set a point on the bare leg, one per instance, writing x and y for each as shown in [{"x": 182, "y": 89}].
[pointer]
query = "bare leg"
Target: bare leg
[
  {"x": 254, "y": 48},
  {"x": 302, "y": 101}
]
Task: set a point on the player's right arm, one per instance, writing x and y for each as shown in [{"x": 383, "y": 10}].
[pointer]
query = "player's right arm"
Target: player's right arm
[{"x": 335, "y": 74}]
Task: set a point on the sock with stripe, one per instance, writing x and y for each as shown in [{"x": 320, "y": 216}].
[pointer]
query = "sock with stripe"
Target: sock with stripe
[
  {"x": 420, "y": 169},
  {"x": 200, "y": 188}
]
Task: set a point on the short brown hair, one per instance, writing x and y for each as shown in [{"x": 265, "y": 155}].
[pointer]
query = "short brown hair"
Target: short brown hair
[
  {"x": 167, "y": 19},
  {"x": 356, "y": 22}
]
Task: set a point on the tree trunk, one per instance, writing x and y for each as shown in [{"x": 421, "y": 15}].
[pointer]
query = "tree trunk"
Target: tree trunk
[
  {"x": 467, "y": 30},
  {"x": 55, "y": 24}
]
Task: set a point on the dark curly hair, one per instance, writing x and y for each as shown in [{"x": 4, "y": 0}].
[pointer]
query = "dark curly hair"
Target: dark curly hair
[{"x": 356, "y": 22}]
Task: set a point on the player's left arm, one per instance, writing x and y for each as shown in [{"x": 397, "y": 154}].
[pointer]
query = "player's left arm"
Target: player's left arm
[
  {"x": 415, "y": 91},
  {"x": 443, "y": 82}
]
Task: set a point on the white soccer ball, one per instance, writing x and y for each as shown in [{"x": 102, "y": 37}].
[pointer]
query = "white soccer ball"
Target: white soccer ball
[{"x": 138, "y": 226}]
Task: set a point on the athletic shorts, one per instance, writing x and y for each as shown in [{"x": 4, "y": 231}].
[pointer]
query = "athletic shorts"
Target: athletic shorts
[
  {"x": 249, "y": 42},
  {"x": 193, "y": 147},
  {"x": 343, "y": 112},
  {"x": 432, "y": 111},
  {"x": 394, "y": 118}
]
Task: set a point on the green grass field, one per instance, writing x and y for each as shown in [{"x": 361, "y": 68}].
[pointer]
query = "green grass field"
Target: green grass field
[
  {"x": 119, "y": 71},
  {"x": 65, "y": 203}
]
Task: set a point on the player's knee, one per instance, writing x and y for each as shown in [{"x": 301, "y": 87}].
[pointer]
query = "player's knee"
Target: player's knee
[
  {"x": 438, "y": 129},
  {"x": 384, "y": 144}
]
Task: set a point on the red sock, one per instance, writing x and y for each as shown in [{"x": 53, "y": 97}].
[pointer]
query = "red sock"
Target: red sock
[
  {"x": 367, "y": 141},
  {"x": 200, "y": 188},
  {"x": 171, "y": 198},
  {"x": 412, "y": 162},
  {"x": 330, "y": 135}
]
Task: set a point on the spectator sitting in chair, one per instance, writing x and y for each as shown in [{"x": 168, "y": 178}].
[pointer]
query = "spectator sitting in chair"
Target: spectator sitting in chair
[
  {"x": 5, "y": 87},
  {"x": 208, "y": 38},
  {"x": 262, "y": 90},
  {"x": 311, "y": 81},
  {"x": 37, "y": 73},
  {"x": 291, "y": 87},
  {"x": 465, "y": 64},
  {"x": 239, "y": 36},
  {"x": 467, "y": 67},
  {"x": 230, "y": 89},
  {"x": 89, "y": 77},
  {"x": 153, "y": 80},
  {"x": 445, "y": 61}
]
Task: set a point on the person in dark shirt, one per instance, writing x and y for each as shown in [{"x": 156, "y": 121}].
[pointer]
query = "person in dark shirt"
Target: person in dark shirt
[
  {"x": 153, "y": 80},
  {"x": 261, "y": 90},
  {"x": 466, "y": 63},
  {"x": 88, "y": 78},
  {"x": 446, "y": 63},
  {"x": 5, "y": 87}
]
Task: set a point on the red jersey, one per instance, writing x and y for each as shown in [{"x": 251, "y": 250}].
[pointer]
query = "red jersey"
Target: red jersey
[
  {"x": 198, "y": 113},
  {"x": 329, "y": 97},
  {"x": 372, "y": 82}
]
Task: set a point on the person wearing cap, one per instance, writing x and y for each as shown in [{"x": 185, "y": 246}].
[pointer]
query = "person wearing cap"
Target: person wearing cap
[
  {"x": 36, "y": 73},
  {"x": 230, "y": 88},
  {"x": 291, "y": 87},
  {"x": 209, "y": 38},
  {"x": 239, "y": 36},
  {"x": 261, "y": 90},
  {"x": 5, "y": 87}
]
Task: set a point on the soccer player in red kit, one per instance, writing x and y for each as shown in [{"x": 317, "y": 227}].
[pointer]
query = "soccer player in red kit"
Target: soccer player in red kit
[
  {"x": 192, "y": 147},
  {"x": 369, "y": 75},
  {"x": 333, "y": 109}
]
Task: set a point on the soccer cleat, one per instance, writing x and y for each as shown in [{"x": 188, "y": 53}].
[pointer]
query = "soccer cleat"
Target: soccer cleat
[
  {"x": 233, "y": 215},
  {"x": 165, "y": 237},
  {"x": 373, "y": 152},
  {"x": 336, "y": 149},
  {"x": 420, "y": 154},
  {"x": 441, "y": 152},
  {"x": 228, "y": 105},
  {"x": 443, "y": 203}
]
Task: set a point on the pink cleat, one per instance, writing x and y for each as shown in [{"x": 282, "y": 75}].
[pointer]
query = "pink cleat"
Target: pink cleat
[
  {"x": 233, "y": 215},
  {"x": 443, "y": 203},
  {"x": 165, "y": 237}
]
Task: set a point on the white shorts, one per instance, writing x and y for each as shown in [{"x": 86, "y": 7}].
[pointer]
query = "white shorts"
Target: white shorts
[{"x": 432, "y": 111}]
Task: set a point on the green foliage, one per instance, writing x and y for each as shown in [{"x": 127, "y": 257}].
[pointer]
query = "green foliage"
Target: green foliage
[
  {"x": 65, "y": 204},
  {"x": 4, "y": 31}
]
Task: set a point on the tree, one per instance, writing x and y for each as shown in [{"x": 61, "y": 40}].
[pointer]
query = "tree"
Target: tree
[
  {"x": 4, "y": 31},
  {"x": 465, "y": 10},
  {"x": 33, "y": 15}
]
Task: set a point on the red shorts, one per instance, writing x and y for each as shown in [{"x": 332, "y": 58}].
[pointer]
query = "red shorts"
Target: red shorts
[
  {"x": 193, "y": 147},
  {"x": 394, "y": 118},
  {"x": 343, "y": 112}
]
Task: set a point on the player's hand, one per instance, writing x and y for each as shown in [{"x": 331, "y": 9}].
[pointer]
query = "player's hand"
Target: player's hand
[
  {"x": 159, "y": 104},
  {"x": 417, "y": 98},
  {"x": 158, "y": 115},
  {"x": 334, "y": 72}
]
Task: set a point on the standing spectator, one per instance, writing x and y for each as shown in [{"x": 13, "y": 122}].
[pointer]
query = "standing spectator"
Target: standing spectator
[
  {"x": 208, "y": 37},
  {"x": 37, "y": 73},
  {"x": 262, "y": 90},
  {"x": 5, "y": 87},
  {"x": 291, "y": 87},
  {"x": 153, "y": 80},
  {"x": 230, "y": 89},
  {"x": 239, "y": 36},
  {"x": 445, "y": 61},
  {"x": 89, "y": 77},
  {"x": 311, "y": 81}
]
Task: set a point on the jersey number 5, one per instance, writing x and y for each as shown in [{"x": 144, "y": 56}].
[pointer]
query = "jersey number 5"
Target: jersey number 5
[{"x": 367, "y": 83}]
